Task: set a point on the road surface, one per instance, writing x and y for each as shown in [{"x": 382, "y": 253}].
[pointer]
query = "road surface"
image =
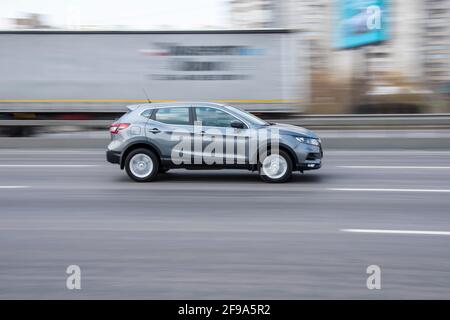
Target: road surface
[{"x": 225, "y": 234}]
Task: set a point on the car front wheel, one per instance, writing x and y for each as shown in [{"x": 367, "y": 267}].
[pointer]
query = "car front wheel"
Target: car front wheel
[
  {"x": 141, "y": 165},
  {"x": 276, "y": 167}
]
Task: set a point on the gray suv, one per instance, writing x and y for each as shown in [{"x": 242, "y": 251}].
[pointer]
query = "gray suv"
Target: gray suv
[{"x": 153, "y": 138}]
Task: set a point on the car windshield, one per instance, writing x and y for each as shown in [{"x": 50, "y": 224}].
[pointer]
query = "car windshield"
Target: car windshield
[{"x": 248, "y": 116}]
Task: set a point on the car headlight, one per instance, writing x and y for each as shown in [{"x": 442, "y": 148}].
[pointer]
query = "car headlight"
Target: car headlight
[{"x": 312, "y": 141}]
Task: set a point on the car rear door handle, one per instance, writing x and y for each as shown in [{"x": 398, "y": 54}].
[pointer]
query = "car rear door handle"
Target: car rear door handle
[{"x": 154, "y": 130}]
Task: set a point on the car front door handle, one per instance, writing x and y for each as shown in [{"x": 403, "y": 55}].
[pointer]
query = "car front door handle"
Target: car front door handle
[{"x": 154, "y": 130}]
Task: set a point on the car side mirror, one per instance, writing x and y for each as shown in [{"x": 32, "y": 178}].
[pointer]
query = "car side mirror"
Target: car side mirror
[{"x": 237, "y": 124}]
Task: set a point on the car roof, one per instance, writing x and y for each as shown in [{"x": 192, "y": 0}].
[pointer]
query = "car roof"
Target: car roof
[{"x": 174, "y": 104}]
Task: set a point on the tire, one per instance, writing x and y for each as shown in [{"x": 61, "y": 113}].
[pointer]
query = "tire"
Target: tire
[
  {"x": 142, "y": 165},
  {"x": 267, "y": 172}
]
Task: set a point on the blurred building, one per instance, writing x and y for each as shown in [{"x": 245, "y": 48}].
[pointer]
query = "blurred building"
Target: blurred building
[
  {"x": 436, "y": 41},
  {"x": 253, "y": 14},
  {"x": 416, "y": 57},
  {"x": 310, "y": 16},
  {"x": 307, "y": 15},
  {"x": 30, "y": 21}
]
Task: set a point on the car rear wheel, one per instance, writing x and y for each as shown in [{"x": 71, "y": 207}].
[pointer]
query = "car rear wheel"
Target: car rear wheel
[
  {"x": 141, "y": 165},
  {"x": 276, "y": 167}
]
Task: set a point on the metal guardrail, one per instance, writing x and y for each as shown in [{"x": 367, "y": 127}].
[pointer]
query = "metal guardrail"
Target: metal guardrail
[
  {"x": 315, "y": 121},
  {"x": 371, "y": 121},
  {"x": 50, "y": 123}
]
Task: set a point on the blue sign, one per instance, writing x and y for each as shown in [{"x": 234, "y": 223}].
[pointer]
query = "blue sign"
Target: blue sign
[{"x": 361, "y": 23}]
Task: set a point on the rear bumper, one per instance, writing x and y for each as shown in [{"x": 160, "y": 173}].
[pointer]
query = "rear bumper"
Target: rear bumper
[{"x": 113, "y": 156}]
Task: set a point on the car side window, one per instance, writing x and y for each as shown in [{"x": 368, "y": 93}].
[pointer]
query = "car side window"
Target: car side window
[
  {"x": 147, "y": 113},
  {"x": 178, "y": 115},
  {"x": 212, "y": 117}
]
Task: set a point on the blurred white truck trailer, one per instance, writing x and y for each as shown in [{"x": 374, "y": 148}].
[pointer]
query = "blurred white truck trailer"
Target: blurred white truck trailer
[{"x": 41, "y": 71}]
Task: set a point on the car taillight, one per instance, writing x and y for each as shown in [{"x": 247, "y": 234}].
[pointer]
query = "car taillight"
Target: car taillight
[{"x": 116, "y": 127}]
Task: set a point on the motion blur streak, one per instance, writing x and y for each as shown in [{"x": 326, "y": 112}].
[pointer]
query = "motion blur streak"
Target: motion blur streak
[
  {"x": 13, "y": 187},
  {"x": 389, "y": 190},
  {"x": 433, "y": 233},
  {"x": 394, "y": 167},
  {"x": 46, "y": 165}
]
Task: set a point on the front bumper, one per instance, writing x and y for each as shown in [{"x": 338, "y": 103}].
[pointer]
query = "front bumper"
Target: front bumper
[
  {"x": 113, "y": 156},
  {"x": 309, "y": 157},
  {"x": 309, "y": 166}
]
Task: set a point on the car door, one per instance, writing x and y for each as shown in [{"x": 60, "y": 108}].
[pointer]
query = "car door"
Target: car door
[
  {"x": 171, "y": 129},
  {"x": 221, "y": 143}
]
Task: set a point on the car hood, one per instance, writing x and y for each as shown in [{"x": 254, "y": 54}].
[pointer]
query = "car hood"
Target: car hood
[{"x": 293, "y": 130}]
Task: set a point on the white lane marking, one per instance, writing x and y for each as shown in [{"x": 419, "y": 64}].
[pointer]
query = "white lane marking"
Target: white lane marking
[
  {"x": 51, "y": 151},
  {"x": 390, "y": 190},
  {"x": 435, "y": 233},
  {"x": 372, "y": 152},
  {"x": 392, "y": 167},
  {"x": 47, "y": 165},
  {"x": 14, "y": 187}
]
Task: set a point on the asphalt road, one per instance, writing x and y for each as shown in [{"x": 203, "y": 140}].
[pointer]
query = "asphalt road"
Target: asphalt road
[{"x": 225, "y": 234}]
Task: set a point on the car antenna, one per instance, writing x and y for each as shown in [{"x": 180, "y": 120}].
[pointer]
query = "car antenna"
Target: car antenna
[{"x": 145, "y": 92}]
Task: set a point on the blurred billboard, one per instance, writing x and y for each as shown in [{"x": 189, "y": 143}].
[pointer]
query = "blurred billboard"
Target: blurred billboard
[{"x": 361, "y": 22}]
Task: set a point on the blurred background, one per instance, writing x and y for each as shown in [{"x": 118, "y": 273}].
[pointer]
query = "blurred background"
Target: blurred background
[
  {"x": 86, "y": 60},
  {"x": 370, "y": 77}
]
